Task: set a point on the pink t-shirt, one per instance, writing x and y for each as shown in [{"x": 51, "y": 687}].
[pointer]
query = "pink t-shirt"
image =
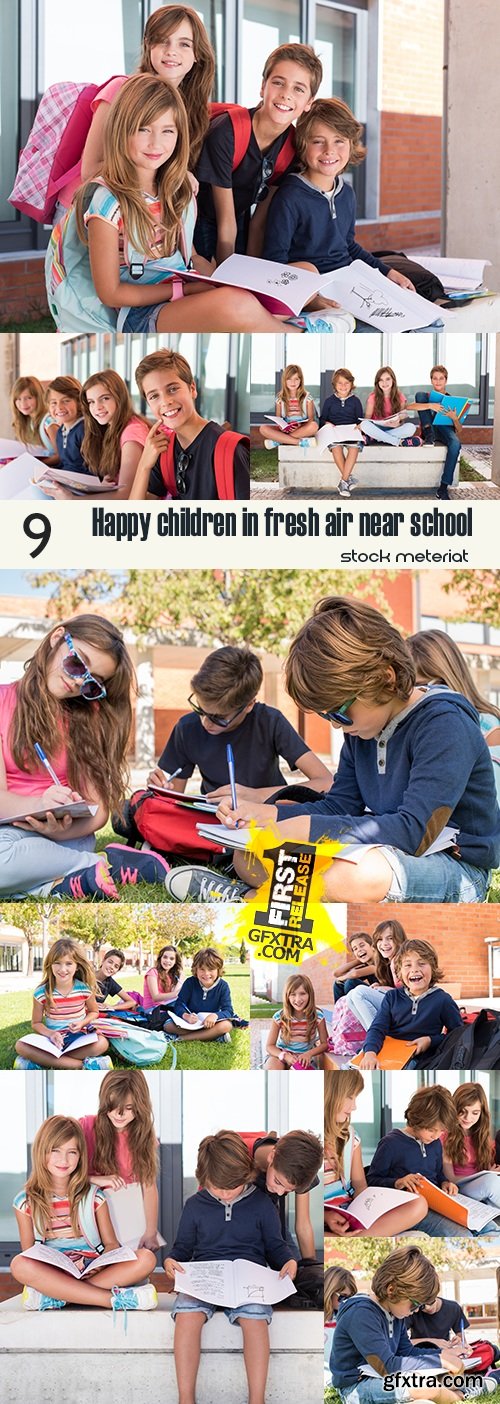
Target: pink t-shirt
[
  {"x": 387, "y": 411},
  {"x": 149, "y": 1000},
  {"x": 23, "y": 782},
  {"x": 135, "y": 432},
  {"x": 123, "y": 1158},
  {"x": 105, "y": 94},
  {"x": 470, "y": 1166}
]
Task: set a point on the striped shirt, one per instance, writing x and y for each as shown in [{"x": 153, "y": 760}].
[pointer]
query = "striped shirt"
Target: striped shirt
[
  {"x": 60, "y": 1010},
  {"x": 60, "y": 1233},
  {"x": 297, "y": 1041}
]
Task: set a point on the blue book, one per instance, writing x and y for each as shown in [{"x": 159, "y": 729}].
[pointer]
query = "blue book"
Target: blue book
[{"x": 455, "y": 402}]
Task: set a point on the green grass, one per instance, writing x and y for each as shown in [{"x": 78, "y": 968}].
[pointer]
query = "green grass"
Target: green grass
[
  {"x": 264, "y": 465},
  {"x": 332, "y": 1396},
  {"x": 264, "y": 1011},
  {"x": 29, "y": 324},
  {"x": 468, "y": 474},
  {"x": 494, "y": 892},
  {"x": 15, "y": 1021}
]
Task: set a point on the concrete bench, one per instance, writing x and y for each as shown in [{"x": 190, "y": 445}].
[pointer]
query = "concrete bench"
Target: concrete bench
[
  {"x": 403, "y": 468},
  {"x": 77, "y": 1354}
]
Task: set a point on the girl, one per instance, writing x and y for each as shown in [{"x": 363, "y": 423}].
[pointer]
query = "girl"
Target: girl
[
  {"x": 59, "y": 1207},
  {"x": 113, "y": 438},
  {"x": 122, "y": 1145},
  {"x": 31, "y": 421},
  {"x": 388, "y": 938},
  {"x": 298, "y": 1030},
  {"x": 416, "y": 1013},
  {"x": 163, "y": 981},
  {"x": 74, "y": 704},
  {"x": 469, "y": 1148},
  {"x": 438, "y": 659},
  {"x": 63, "y": 398},
  {"x": 138, "y": 221},
  {"x": 339, "y": 1282},
  {"x": 342, "y": 409},
  {"x": 65, "y": 1002},
  {"x": 387, "y": 401},
  {"x": 344, "y": 1173},
  {"x": 296, "y": 406}
]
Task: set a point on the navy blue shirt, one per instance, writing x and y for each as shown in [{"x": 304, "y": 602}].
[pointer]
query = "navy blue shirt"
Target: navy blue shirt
[
  {"x": 68, "y": 446},
  {"x": 366, "y": 1333},
  {"x": 258, "y": 742},
  {"x": 398, "y": 1155},
  {"x": 248, "y": 1228},
  {"x": 338, "y": 412},
  {"x": 306, "y": 223},
  {"x": 403, "y": 1016},
  {"x": 193, "y": 999}
]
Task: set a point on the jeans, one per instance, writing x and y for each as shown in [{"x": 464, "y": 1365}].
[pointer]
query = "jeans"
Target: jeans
[
  {"x": 371, "y": 1391},
  {"x": 365, "y": 1004},
  {"x": 436, "y": 878},
  {"x": 255, "y": 1310},
  {"x": 443, "y": 435},
  {"x": 30, "y": 863},
  {"x": 485, "y": 1189},
  {"x": 343, "y": 987}
]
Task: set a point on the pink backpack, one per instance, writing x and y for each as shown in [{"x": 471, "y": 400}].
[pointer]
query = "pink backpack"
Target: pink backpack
[
  {"x": 53, "y": 152},
  {"x": 346, "y": 1035}
]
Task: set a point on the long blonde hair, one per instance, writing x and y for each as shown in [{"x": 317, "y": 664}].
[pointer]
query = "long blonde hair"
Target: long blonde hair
[
  {"x": 116, "y": 1090},
  {"x": 27, "y": 427},
  {"x": 39, "y": 1187},
  {"x": 438, "y": 659},
  {"x": 338, "y": 1086},
  {"x": 339, "y": 1282},
  {"x": 285, "y": 394},
  {"x": 288, "y": 1014},
  {"x": 66, "y": 946},
  {"x": 141, "y": 100},
  {"x": 196, "y": 86}
]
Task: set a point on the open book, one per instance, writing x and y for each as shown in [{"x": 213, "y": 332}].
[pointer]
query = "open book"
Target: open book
[
  {"x": 16, "y": 478},
  {"x": 457, "y": 1207},
  {"x": 457, "y": 274},
  {"x": 11, "y": 448},
  {"x": 284, "y": 424},
  {"x": 187, "y": 801},
  {"x": 233, "y": 1284},
  {"x": 395, "y": 1053},
  {"x": 177, "y": 1019},
  {"x": 126, "y": 1211},
  {"x": 369, "y": 1205},
  {"x": 71, "y": 1041},
  {"x": 79, "y": 809},
  {"x": 45, "y": 1254},
  {"x": 83, "y": 484},
  {"x": 333, "y": 434},
  {"x": 349, "y": 853}
]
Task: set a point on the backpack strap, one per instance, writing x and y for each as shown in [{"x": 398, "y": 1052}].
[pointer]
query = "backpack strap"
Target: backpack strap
[
  {"x": 87, "y": 1217},
  {"x": 167, "y": 467},
  {"x": 225, "y": 448},
  {"x": 241, "y": 123},
  {"x": 285, "y": 156}
]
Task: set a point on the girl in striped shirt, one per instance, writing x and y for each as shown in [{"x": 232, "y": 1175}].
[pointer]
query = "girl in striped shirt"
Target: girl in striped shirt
[
  {"x": 64, "y": 1003},
  {"x": 298, "y": 1035},
  {"x": 60, "y": 1209},
  {"x": 296, "y": 406}
]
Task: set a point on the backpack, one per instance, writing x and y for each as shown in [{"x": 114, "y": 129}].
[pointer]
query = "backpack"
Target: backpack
[
  {"x": 142, "y": 1047},
  {"x": 476, "y": 1045},
  {"x": 224, "y": 452},
  {"x": 241, "y": 123},
  {"x": 346, "y": 1034},
  {"x": 425, "y": 283},
  {"x": 483, "y": 1351},
  {"x": 53, "y": 152},
  {"x": 168, "y": 827}
]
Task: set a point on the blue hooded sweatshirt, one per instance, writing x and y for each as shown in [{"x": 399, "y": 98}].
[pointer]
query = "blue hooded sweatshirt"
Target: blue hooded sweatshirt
[
  {"x": 398, "y": 1155},
  {"x": 306, "y": 223},
  {"x": 402, "y": 1015},
  {"x": 365, "y": 1332},
  {"x": 248, "y": 1228},
  {"x": 193, "y": 999},
  {"x": 429, "y": 767}
]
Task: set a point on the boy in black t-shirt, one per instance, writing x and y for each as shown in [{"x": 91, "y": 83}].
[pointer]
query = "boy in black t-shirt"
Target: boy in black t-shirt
[
  {"x": 107, "y": 986},
  {"x": 166, "y": 380},
  {"x": 291, "y": 78},
  {"x": 437, "y": 1323}
]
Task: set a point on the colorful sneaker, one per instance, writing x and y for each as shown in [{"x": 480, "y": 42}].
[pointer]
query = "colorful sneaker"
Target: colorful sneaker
[
  {"x": 193, "y": 884},
  {"x": 95, "y": 1063},
  {"x": 95, "y": 882},
  {"x": 129, "y": 866},
  {"x": 24, "y": 1063},
  {"x": 36, "y": 1301},
  {"x": 343, "y": 488},
  {"x": 270, "y": 444},
  {"x": 143, "y": 1298}
]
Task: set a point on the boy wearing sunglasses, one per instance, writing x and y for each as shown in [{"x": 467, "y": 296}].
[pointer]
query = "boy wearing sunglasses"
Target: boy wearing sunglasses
[{"x": 185, "y": 456}]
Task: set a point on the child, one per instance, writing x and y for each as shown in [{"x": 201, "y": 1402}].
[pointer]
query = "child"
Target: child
[
  {"x": 314, "y": 211},
  {"x": 358, "y": 968},
  {"x": 291, "y": 78},
  {"x": 73, "y": 702},
  {"x": 162, "y": 982},
  {"x": 298, "y": 1035},
  {"x": 113, "y": 439},
  {"x": 204, "y": 995},
  {"x": 387, "y": 401},
  {"x": 438, "y": 660},
  {"x": 388, "y": 938},
  {"x": 438, "y": 1322},
  {"x": 65, "y": 407},
  {"x": 344, "y": 1173},
  {"x": 122, "y": 1144},
  {"x": 59, "y": 1207},
  {"x": 179, "y": 457},
  {"x": 228, "y": 1218},
  {"x": 440, "y": 433},
  {"x": 296, "y": 406},
  {"x": 469, "y": 1148},
  {"x": 410, "y": 764},
  {"x": 341, "y": 409},
  {"x": 111, "y": 262},
  {"x": 64, "y": 1003},
  {"x": 402, "y": 1156},
  {"x": 31, "y": 421},
  {"x": 339, "y": 1283},
  {"x": 371, "y": 1330},
  {"x": 107, "y": 987},
  {"x": 288, "y": 1165},
  {"x": 418, "y": 1011}
]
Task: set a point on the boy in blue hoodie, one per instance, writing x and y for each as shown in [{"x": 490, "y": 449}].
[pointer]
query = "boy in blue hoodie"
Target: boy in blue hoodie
[
  {"x": 418, "y": 1012},
  {"x": 413, "y": 761},
  {"x": 371, "y": 1330},
  {"x": 204, "y": 995},
  {"x": 228, "y": 1218}
]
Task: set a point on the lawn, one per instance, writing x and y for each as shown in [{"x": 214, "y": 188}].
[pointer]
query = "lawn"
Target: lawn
[
  {"x": 15, "y": 1016},
  {"x": 264, "y": 465},
  {"x": 29, "y": 324},
  {"x": 333, "y": 1397}
]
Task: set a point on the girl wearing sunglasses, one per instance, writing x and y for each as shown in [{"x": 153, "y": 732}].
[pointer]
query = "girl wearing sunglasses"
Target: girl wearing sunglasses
[{"x": 64, "y": 731}]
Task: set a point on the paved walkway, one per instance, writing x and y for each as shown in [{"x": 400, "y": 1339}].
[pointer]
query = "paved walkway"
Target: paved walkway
[{"x": 476, "y": 456}]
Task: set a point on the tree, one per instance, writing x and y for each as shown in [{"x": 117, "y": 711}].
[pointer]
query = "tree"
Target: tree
[
  {"x": 40, "y": 924},
  {"x": 367, "y": 1254},
  {"x": 243, "y": 953},
  {"x": 481, "y": 589}
]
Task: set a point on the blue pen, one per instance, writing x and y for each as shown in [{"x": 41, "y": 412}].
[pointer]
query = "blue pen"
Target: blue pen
[
  {"x": 41, "y": 756},
  {"x": 232, "y": 777}
]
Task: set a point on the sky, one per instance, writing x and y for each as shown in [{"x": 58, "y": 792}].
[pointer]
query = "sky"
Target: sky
[{"x": 15, "y": 582}]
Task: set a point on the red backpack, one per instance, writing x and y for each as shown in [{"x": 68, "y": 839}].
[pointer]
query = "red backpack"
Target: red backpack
[
  {"x": 169, "y": 828},
  {"x": 224, "y": 452},
  {"x": 241, "y": 123}
]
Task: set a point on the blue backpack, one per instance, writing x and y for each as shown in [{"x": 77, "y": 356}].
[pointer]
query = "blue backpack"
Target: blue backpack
[{"x": 142, "y": 1047}]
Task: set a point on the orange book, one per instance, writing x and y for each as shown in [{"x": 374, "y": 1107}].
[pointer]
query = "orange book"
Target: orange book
[
  {"x": 470, "y": 1213},
  {"x": 395, "y": 1053}
]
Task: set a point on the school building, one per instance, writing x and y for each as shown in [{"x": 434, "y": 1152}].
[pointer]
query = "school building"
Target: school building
[{"x": 383, "y": 57}]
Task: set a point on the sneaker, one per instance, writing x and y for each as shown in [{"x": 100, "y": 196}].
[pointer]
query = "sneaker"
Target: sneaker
[
  {"x": 343, "y": 488},
  {"x": 480, "y": 1386},
  {"x": 24, "y": 1063},
  {"x": 429, "y": 437},
  {"x": 95, "y": 882},
  {"x": 329, "y": 321},
  {"x": 192, "y": 884},
  {"x": 352, "y": 482},
  {"x": 143, "y": 1298},
  {"x": 37, "y": 1301},
  {"x": 129, "y": 866},
  {"x": 270, "y": 444},
  {"x": 123, "y": 824},
  {"x": 94, "y": 1063},
  {"x": 443, "y": 493}
]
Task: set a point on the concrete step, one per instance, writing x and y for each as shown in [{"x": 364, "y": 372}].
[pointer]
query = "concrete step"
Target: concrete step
[
  {"x": 402, "y": 468},
  {"x": 78, "y": 1353}
]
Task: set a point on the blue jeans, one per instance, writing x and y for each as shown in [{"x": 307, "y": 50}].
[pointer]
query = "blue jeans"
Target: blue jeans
[
  {"x": 437, "y": 878},
  {"x": 342, "y": 987},
  {"x": 443, "y": 435},
  {"x": 250, "y": 1310},
  {"x": 371, "y": 1391}
]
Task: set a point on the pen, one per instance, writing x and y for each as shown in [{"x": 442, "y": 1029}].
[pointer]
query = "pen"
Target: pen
[
  {"x": 41, "y": 756},
  {"x": 174, "y": 774},
  {"x": 464, "y": 1342},
  {"x": 232, "y": 777}
]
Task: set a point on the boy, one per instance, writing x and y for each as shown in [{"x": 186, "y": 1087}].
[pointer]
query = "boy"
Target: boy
[
  {"x": 191, "y": 472},
  {"x": 402, "y": 1156},
  {"x": 437, "y": 1322},
  {"x": 314, "y": 211},
  {"x": 289, "y": 1165},
  {"x": 449, "y": 435},
  {"x": 107, "y": 986},
  {"x": 371, "y": 1330},
  {"x": 204, "y": 995},
  {"x": 358, "y": 968},
  {"x": 342, "y": 409},
  {"x": 228, "y": 1218},
  {"x": 410, "y": 764},
  {"x": 416, "y": 1013},
  {"x": 291, "y": 78}
]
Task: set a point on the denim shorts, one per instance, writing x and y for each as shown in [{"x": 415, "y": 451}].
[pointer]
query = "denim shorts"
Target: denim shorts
[
  {"x": 143, "y": 319},
  {"x": 256, "y": 1311},
  {"x": 371, "y": 1391},
  {"x": 438, "y": 878}
]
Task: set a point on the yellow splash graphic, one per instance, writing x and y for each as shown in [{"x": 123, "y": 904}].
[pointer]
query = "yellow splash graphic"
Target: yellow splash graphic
[{"x": 286, "y": 918}]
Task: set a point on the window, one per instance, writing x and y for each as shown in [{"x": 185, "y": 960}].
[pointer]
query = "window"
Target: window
[
  {"x": 264, "y": 27},
  {"x": 462, "y": 358},
  {"x": 109, "y": 42},
  {"x": 11, "y": 961},
  {"x": 13, "y": 1149},
  {"x": 9, "y": 104}
]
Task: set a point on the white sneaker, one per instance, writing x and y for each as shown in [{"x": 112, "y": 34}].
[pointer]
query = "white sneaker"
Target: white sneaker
[
  {"x": 142, "y": 1298},
  {"x": 270, "y": 444},
  {"x": 343, "y": 488},
  {"x": 37, "y": 1301},
  {"x": 352, "y": 482}
]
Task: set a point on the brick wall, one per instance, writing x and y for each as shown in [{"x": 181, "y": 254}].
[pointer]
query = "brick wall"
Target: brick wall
[
  {"x": 412, "y": 59},
  {"x": 22, "y": 288}
]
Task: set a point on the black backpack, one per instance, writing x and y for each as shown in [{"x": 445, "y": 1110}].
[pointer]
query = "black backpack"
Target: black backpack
[
  {"x": 475, "y": 1045},
  {"x": 425, "y": 283},
  {"x": 309, "y": 1286}
]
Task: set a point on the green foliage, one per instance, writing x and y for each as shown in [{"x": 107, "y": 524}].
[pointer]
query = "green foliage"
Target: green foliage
[
  {"x": 481, "y": 593},
  {"x": 367, "y": 1254}
]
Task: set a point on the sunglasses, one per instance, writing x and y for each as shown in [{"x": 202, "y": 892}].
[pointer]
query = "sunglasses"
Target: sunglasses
[
  {"x": 340, "y": 715},
  {"x": 216, "y": 721},
  {"x": 267, "y": 169},
  {"x": 181, "y": 468},
  {"x": 91, "y": 688}
]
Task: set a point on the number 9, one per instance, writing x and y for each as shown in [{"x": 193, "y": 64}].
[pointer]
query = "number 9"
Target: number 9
[{"x": 38, "y": 528}]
